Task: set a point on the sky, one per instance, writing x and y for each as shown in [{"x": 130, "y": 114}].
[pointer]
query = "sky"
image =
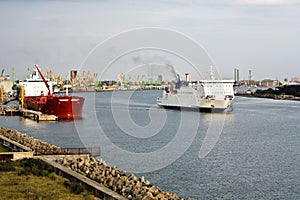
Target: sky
[{"x": 261, "y": 35}]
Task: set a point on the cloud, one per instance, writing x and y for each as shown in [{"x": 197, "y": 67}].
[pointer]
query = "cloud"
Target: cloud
[
  {"x": 267, "y": 2},
  {"x": 230, "y": 2}
]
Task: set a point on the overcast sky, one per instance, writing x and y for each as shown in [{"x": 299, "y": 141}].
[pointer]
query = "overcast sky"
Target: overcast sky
[{"x": 259, "y": 34}]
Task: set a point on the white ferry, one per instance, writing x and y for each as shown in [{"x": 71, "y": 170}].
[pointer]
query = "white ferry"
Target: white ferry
[{"x": 204, "y": 95}]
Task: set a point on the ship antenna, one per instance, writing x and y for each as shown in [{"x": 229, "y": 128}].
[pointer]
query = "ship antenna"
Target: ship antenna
[
  {"x": 44, "y": 80},
  {"x": 211, "y": 73}
]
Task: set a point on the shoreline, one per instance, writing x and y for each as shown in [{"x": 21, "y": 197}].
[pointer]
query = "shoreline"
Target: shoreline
[
  {"x": 274, "y": 97},
  {"x": 126, "y": 184}
]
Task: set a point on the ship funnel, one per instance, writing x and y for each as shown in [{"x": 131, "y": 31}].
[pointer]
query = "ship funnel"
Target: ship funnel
[
  {"x": 188, "y": 77},
  {"x": 178, "y": 83},
  {"x": 178, "y": 78}
]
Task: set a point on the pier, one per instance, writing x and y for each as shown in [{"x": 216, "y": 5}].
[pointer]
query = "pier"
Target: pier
[
  {"x": 37, "y": 116},
  {"x": 9, "y": 110},
  {"x": 13, "y": 110}
]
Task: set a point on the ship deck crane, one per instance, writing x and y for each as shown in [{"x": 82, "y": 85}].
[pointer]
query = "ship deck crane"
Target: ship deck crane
[{"x": 44, "y": 80}]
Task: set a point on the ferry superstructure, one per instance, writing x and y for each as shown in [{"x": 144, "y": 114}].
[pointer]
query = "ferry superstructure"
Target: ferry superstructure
[{"x": 204, "y": 95}]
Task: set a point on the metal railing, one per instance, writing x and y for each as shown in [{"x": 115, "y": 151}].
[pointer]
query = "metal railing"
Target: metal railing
[{"x": 94, "y": 151}]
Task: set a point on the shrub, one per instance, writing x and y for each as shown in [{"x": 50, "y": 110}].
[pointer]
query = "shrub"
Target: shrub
[
  {"x": 52, "y": 176},
  {"x": 35, "y": 167},
  {"x": 6, "y": 166},
  {"x": 74, "y": 187}
]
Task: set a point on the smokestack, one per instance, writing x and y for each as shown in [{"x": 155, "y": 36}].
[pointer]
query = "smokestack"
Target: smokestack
[
  {"x": 188, "y": 77},
  {"x": 236, "y": 75},
  {"x": 250, "y": 77},
  {"x": 178, "y": 78}
]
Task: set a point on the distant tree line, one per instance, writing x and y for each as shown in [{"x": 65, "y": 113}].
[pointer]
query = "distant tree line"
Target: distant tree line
[{"x": 284, "y": 90}]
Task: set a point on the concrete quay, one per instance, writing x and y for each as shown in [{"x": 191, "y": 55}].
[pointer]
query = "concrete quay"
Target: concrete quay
[
  {"x": 37, "y": 116},
  {"x": 13, "y": 110},
  {"x": 9, "y": 110},
  {"x": 97, "y": 189},
  {"x": 126, "y": 184}
]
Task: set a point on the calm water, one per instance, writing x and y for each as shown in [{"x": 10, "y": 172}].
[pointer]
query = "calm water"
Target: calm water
[{"x": 257, "y": 155}]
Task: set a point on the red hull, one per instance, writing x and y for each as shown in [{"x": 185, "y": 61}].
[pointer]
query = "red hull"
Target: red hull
[{"x": 64, "y": 107}]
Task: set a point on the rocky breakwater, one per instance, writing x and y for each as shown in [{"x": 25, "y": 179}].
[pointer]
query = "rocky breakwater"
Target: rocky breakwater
[
  {"x": 37, "y": 146},
  {"x": 126, "y": 184}
]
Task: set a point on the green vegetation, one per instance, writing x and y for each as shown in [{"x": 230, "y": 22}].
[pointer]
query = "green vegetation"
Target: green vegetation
[
  {"x": 6, "y": 166},
  {"x": 74, "y": 187},
  {"x": 284, "y": 90},
  {"x": 290, "y": 90},
  {"x": 34, "y": 179},
  {"x": 35, "y": 167},
  {"x": 3, "y": 149}
]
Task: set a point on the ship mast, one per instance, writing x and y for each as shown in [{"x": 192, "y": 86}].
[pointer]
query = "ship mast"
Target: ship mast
[{"x": 44, "y": 80}]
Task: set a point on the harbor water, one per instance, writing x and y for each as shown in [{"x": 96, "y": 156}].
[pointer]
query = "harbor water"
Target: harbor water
[{"x": 255, "y": 151}]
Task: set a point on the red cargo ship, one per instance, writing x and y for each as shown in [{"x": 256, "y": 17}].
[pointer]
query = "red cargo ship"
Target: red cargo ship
[{"x": 64, "y": 107}]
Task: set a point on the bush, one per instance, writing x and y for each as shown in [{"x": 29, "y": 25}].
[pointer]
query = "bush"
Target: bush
[
  {"x": 39, "y": 168},
  {"x": 52, "y": 176},
  {"x": 35, "y": 167},
  {"x": 74, "y": 187},
  {"x": 6, "y": 166}
]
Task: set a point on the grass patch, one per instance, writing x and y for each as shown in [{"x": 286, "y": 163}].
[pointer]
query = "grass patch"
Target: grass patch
[
  {"x": 39, "y": 183},
  {"x": 3, "y": 149}
]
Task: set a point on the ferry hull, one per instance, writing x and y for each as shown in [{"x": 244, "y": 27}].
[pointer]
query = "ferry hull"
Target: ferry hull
[
  {"x": 172, "y": 107},
  {"x": 196, "y": 109}
]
